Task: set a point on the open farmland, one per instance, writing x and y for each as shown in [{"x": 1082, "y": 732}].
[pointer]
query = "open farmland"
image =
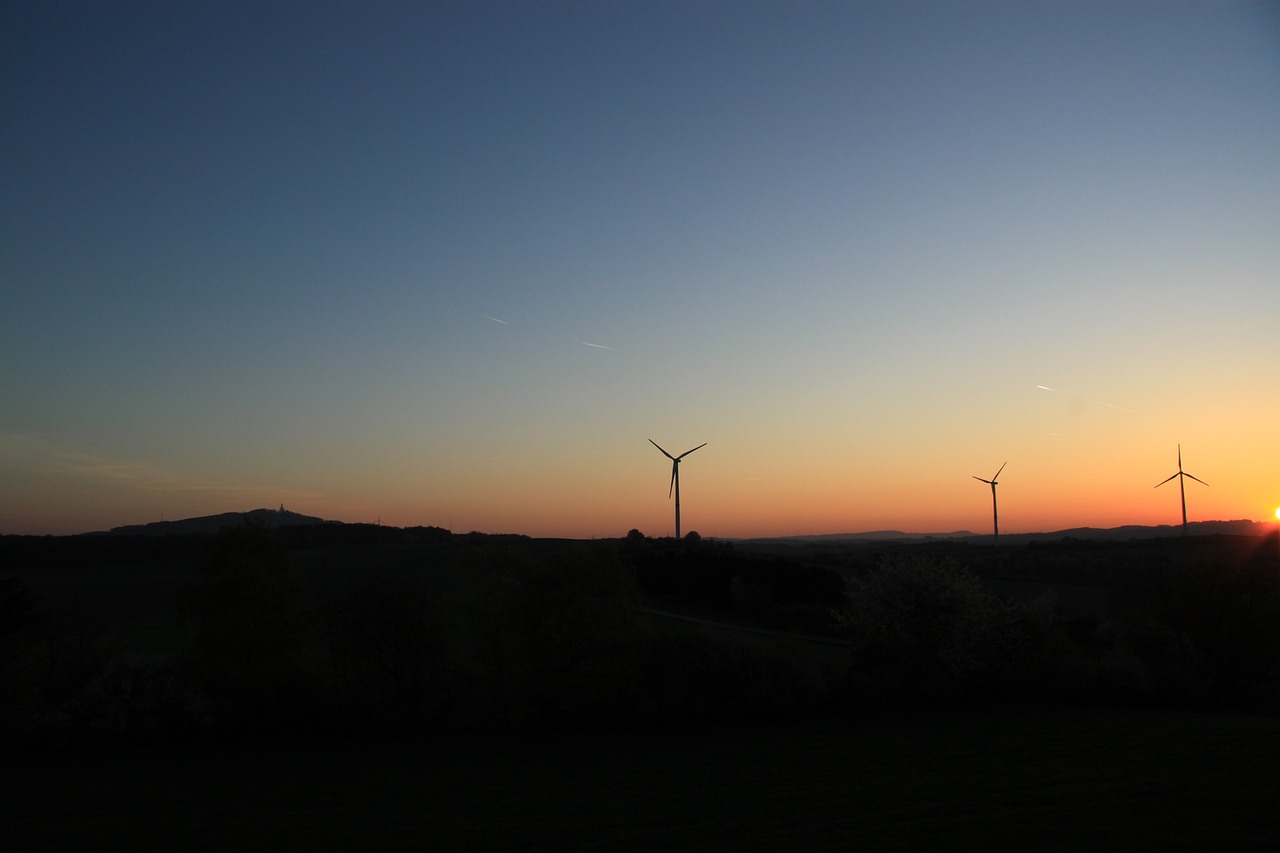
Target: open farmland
[
  {"x": 977, "y": 779},
  {"x": 500, "y": 692}
]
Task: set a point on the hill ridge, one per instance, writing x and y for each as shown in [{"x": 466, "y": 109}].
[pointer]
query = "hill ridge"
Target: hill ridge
[{"x": 264, "y": 517}]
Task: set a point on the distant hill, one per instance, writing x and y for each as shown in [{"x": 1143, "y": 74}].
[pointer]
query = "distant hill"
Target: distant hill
[
  {"x": 868, "y": 536},
  {"x": 1240, "y": 527},
  {"x": 275, "y": 518},
  {"x": 1131, "y": 531},
  {"x": 271, "y": 518}
]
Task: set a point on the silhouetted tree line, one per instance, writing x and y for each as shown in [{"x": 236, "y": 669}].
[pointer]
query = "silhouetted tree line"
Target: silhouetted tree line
[
  {"x": 774, "y": 591},
  {"x": 49, "y": 660},
  {"x": 553, "y": 635},
  {"x": 94, "y": 549},
  {"x": 40, "y": 552},
  {"x": 1194, "y": 625},
  {"x": 301, "y": 536}
]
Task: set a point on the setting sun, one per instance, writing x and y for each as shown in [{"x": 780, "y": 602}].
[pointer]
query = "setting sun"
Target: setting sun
[{"x": 1278, "y": 512}]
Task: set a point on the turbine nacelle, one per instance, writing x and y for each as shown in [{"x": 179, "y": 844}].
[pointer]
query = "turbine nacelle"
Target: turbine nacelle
[
  {"x": 1180, "y": 473},
  {"x": 676, "y": 458},
  {"x": 994, "y": 477}
]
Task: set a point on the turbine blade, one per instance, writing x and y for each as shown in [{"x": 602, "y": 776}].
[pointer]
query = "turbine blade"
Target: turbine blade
[
  {"x": 997, "y": 476},
  {"x": 687, "y": 452},
  {"x": 664, "y": 453},
  {"x": 1171, "y": 477},
  {"x": 976, "y": 477},
  {"x": 1197, "y": 479},
  {"x": 674, "y": 474}
]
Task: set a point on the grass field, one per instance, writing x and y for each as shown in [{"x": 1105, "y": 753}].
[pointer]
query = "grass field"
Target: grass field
[
  {"x": 977, "y": 778},
  {"x": 1001, "y": 778},
  {"x": 130, "y": 606}
]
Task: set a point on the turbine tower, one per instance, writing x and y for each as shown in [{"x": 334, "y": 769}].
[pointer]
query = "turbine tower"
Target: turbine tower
[
  {"x": 1182, "y": 485},
  {"x": 995, "y": 513},
  {"x": 675, "y": 477}
]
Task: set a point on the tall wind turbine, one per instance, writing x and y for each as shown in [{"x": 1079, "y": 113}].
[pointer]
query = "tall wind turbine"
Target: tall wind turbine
[
  {"x": 675, "y": 477},
  {"x": 995, "y": 513},
  {"x": 1182, "y": 484}
]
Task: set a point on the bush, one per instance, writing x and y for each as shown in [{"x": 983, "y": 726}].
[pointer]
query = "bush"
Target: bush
[
  {"x": 703, "y": 678},
  {"x": 133, "y": 699},
  {"x": 250, "y": 630},
  {"x": 47, "y": 657},
  {"x": 1213, "y": 631},
  {"x": 389, "y": 651},
  {"x": 560, "y": 642},
  {"x": 24, "y": 659},
  {"x": 925, "y": 628},
  {"x": 713, "y": 575}
]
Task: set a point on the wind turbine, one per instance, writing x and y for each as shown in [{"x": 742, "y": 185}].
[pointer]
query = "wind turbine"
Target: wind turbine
[
  {"x": 675, "y": 477},
  {"x": 1182, "y": 485},
  {"x": 995, "y": 513}
]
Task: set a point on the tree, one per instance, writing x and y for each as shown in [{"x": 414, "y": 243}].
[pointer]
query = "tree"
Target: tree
[
  {"x": 926, "y": 628},
  {"x": 562, "y": 639},
  {"x": 388, "y": 648},
  {"x": 21, "y": 658},
  {"x": 245, "y": 607}
]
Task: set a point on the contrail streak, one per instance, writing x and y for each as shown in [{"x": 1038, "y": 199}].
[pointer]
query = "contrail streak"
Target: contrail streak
[
  {"x": 494, "y": 319},
  {"x": 1087, "y": 400},
  {"x": 597, "y": 346}
]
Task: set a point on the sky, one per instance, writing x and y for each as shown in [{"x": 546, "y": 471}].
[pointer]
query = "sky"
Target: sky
[{"x": 455, "y": 264}]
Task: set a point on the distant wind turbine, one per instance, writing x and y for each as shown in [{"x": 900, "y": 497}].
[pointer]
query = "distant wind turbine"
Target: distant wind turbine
[
  {"x": 1182, "y": 485},
  {"x": 675, "y": 477},
  {"x": 995, "y": 513}
]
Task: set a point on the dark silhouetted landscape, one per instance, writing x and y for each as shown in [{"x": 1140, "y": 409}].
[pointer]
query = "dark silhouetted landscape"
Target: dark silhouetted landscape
[
  {"x": 275, "y": 273},
  {"x": 338, "y": 685}
]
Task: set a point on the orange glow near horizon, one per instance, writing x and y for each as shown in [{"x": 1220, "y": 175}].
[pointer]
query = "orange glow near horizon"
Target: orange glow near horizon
[{"x": 728, "y": 490}]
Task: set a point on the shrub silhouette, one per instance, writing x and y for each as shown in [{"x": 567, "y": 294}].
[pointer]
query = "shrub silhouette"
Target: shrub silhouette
[
  {"x": 246, "y": 610},
  {"x": 22, "y": 657},
  {"x": 134, "y": 699},
  {"x": 388, "y": 648},
  {"x": 1213, "y": 631},
  {"x": 925, "y": 628},
  {"x": 714, "y": 575},
  {"x": 560, "y": 641},
  {"x": 47, "y": 657},
  {"x": 702, "y": 678}
]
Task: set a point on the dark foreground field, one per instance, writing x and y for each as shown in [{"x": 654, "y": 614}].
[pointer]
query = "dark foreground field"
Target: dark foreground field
[{"x": 978, "y": 778}]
